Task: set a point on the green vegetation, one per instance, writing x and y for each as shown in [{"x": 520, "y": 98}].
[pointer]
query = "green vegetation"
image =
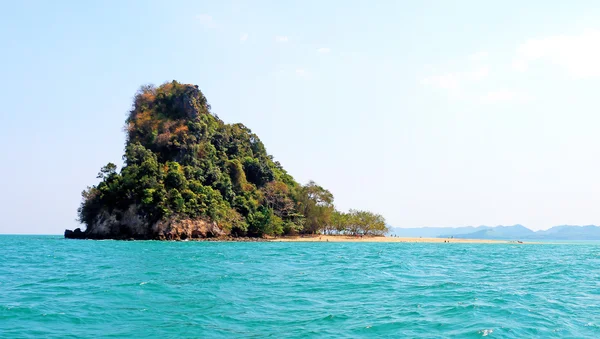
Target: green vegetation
[
  {"x": 356, "y": 223},
  {"x": 183, "y": 163}
]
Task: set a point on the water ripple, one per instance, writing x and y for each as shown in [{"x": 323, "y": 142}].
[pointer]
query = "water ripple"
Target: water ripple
[{"x": 55, "y": 288}]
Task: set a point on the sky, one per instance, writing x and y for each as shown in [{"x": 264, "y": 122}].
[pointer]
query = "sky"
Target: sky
[{"x": 431, "y": 113}]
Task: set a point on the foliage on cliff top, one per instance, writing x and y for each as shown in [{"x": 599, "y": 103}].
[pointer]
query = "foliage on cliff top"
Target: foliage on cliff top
[{"x": 181, "y": 161}]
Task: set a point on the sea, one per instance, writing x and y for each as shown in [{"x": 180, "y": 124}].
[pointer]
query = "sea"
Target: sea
[{"x": 51, "y": 287}]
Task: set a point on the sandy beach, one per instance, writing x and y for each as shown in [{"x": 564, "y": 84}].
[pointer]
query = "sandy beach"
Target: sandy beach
[{"x": 342, "y": 238}]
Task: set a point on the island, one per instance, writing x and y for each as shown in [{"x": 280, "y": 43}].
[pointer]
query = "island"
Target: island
[{"x": 189, "y": 175}]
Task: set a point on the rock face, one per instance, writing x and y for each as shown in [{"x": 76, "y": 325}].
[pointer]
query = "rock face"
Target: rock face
[
  {"x": 132, "y": 226},
  {"x": 186, "y": 229},
  {"x": 76, "y": 234},
  {"x": 189, "y": 102}
]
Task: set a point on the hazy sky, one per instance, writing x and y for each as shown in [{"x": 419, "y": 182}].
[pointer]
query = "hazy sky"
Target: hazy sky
[{"x": 432, "y": 113}]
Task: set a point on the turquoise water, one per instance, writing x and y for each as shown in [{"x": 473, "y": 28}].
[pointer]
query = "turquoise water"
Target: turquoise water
[{"x": 56, "y": 288}]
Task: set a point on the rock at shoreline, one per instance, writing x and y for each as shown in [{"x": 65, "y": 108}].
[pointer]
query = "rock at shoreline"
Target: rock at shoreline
[
  {"x": 76, "y": 234},
  {"x": 109, "y": 227}
]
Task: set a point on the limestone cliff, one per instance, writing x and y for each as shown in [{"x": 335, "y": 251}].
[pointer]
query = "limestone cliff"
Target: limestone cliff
[{"x": 187, "y": 174}]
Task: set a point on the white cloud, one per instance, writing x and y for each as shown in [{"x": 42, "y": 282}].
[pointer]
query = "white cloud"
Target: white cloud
[
  {"x": 449, "y": 81},
  {"x": 478, "y": 74},
  {"x": 243, "y": 36},
  {"x": 454, "y": 81},
  {"x": 281, "y": 38},
  {"x": 478, "y": 56},
  {"x": 300, "y": 72},
  {"x": 578, "y": 54},
  {"x": 206, "y": 20},
  {"x": 519, "y": 65},
  {"x": 324, "y": 50},
  {"x": 504, "y": 96}
]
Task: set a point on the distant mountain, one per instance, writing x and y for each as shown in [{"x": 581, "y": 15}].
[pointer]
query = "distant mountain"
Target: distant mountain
[
  {"x": 568, "y": 232},
  {"x": 498, "y": 232},
  {"x": 434, "y": 232},
  {"x": 515, "y": 232}
]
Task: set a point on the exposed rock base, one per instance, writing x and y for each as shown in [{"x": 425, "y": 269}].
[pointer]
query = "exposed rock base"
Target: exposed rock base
[{"x": 130, "y": 226}]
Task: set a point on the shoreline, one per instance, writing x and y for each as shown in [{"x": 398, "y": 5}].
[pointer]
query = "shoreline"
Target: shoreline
[
  {"x": 326, "y": 238},
  {"x": 345, "y": 238}
]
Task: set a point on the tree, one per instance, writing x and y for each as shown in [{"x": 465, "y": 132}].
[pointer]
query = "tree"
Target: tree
[
  {"x": 175, "y": 177},
  {"x": 339, "y": 223},
  {"x": 257, "y": 171},
  {"x": 107, "y": 171},
  {"x": 316, "y": 205},
  {"x": 365, "y": 223},
  {"x": 276, "y": 196},
  {"x": 264, "y": 222}
]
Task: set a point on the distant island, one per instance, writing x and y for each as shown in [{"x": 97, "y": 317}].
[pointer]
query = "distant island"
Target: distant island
[
  {"x": 515, "y": 232},
  {"x": 188, "y": 175}
]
